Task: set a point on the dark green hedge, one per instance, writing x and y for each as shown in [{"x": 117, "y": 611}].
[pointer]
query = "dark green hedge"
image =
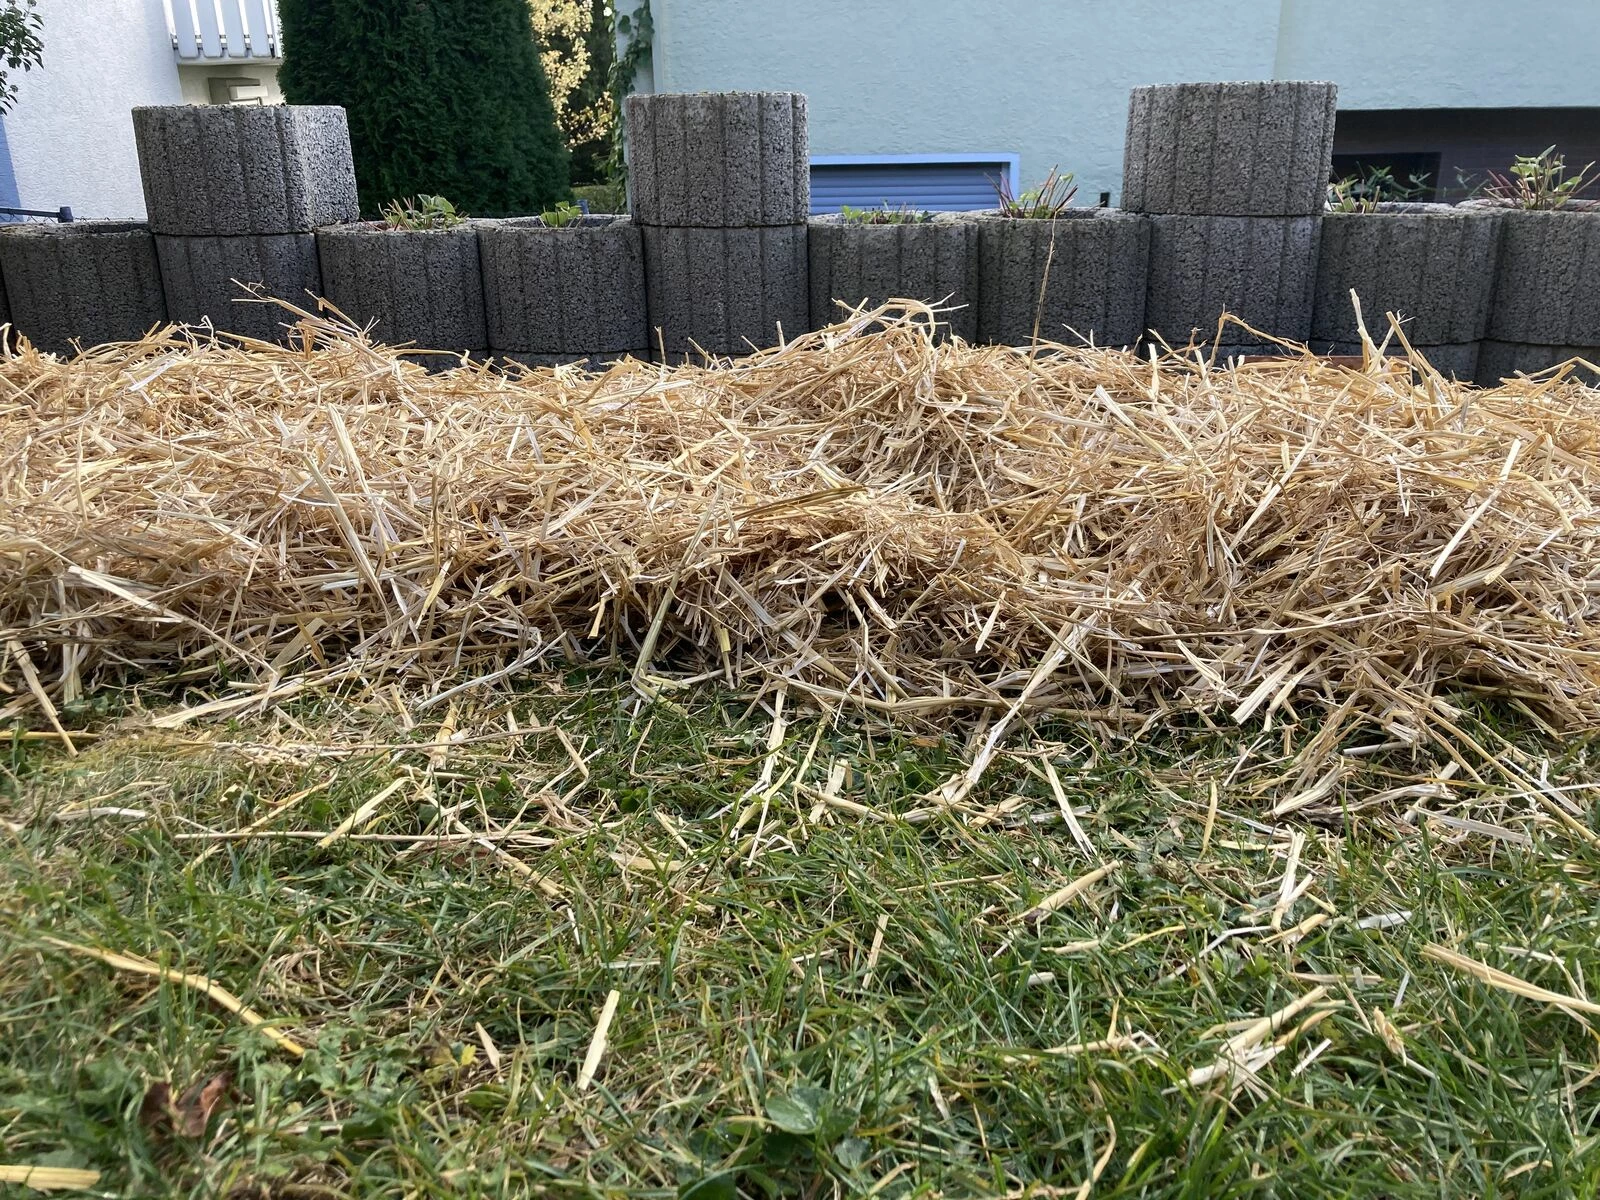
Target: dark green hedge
[{"x": 446, "y": 97}]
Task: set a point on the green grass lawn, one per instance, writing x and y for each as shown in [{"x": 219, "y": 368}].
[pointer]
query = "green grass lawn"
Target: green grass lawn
[{"x": 818, "y": 983}]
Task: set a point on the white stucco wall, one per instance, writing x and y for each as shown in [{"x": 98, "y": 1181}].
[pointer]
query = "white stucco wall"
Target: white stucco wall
[
  {"x": 1049, "y": 81},
  {"x": 1445, "y": 53},
  {"x": 69, "y": 133}
]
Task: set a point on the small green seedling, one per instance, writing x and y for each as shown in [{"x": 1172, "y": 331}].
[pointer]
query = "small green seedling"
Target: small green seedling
[
  {"x": 562, "y": 215},
  {"x": 1539, "y": 181},
  {"x": 1044, "y": 203},
  {"x": 1364, "y": 192},
  {"x": 425, "y": 212},
  {"x": 884, "y": 215}
]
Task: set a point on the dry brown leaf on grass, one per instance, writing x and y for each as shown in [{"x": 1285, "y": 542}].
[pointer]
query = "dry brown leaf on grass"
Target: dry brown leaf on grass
[
  {"x": 191, "y": 1112},
  {"x": 863, "y": 515}
]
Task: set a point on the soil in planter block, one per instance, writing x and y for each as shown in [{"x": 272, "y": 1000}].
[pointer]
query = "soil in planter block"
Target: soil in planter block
[
  {"x": 82, "y": 281},
  {"x": 1429, "y": 263},
  {"x": 418, "y": 287},
  {"x": 725, "y": 291},
  {"x": 1078, "y": 278},
  {"x": 228, "y": 169},
  {"x": 1547, "y": 285},
  {"x": 933, "y": 261},
  {"x": 1229, "y": 149},
  {"x": 1260, "y": 269},
  {"x": 718, "y": 159},
  {"x": 1499, "y": 360},
  {"x": 564, "y": 293},
  {"x": 1453, "y": 360},
  {"x": 198, "y": 275}
]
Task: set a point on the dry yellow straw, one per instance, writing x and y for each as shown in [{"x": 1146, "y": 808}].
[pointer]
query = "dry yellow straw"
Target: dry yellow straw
[{"x": 200, "y": 983}]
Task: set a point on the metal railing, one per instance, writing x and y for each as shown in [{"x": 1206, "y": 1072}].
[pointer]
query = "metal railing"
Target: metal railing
[
  {"x": 62, "y": 214},
  {"x": 224, "y": 30}
]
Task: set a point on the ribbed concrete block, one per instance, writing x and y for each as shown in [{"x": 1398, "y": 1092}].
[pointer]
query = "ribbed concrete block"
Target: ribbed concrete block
[
  {"x": 718, "y": 159},
  {"x": 418, "y": 287},
  {"x": 1079, "y": 277},
  {"x": 1456, "y": 360},
  {"x": 81, "y": 281},
  {"x": 933, "y": 261},
  {"x": 565, "y": 292},
  {"x": 1499, "y": 360},
  {"x": 1229, "y": 149},
  {"x": 201, "y": 277},
  {"x": 227, "y": 169},
  {"x": 725, "y": 290},
  {"x": 1430, "y": 263},
  {"x": 1260, "y": 269},
  {"x": 1546, "y": 289}
]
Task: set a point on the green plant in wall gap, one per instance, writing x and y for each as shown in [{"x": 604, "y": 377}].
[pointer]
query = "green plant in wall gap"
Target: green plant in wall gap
[
  {"x": 885, "y": 215},
  {"x": 1043, "y": 203},
  {"x": 425, "y": 212},
  {"x": 1539, "y": 181},
  {"x": 1364, "y": 192},
  {"x": 562, "y": 215}
]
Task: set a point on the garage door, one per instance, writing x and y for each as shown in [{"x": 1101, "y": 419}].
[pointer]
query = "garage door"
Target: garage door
[{"x": 943, "y": 185}]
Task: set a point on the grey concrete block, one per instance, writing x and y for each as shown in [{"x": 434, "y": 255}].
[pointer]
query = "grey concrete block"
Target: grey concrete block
[
  {"x": 1260, "y": 269},
  {"x": 1454, "y": 360},
  {"x": 245, "y": 169},
  {"x": 565, "y": 292},
  {"x": 716, "y": 159},
  {"x": 81, "y": 281},
  {"x": 1499, "y": 360},
  {"x": 725, "y": 290},
  {"x": 199, "y": 274},
  {"x": 1430, "y": 263},
  {"x": 1545, "y": 288},
  {"x": 933, "y": 261},
  {"x": 1229, "y": 149},
  {"x": 415, "y": 287},
  {"x": 1081, "y": 277}
]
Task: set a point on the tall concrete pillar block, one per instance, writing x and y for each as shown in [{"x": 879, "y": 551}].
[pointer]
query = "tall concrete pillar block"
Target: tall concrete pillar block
[
  {"x": 202, "y": 278},
  {"x": 1430, "y": 263},
  {"x": 718, "y": 159},
  {"x": 1260, "y": 269},
  {"x": 559, "y": 294},
  {"x": 229, "y": 170},
  {"x": 1081, "y": 276},
  {"x": 83, "y": 282},
  {"x": 724, "y": 291},
  {"x": 418, "y": 287},
  {"x": 1229, "y": 149},
  {"x": 935, "y": 261}
]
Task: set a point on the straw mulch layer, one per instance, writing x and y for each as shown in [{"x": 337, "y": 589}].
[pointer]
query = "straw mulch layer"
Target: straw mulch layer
[{"x": 921, "y": 528}]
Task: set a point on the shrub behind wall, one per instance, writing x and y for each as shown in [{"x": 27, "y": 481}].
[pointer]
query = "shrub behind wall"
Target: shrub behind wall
[{"x": 444, "y": 97}]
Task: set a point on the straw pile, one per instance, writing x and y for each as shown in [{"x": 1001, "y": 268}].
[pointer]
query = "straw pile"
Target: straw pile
[{"x": 918, "y": 528}]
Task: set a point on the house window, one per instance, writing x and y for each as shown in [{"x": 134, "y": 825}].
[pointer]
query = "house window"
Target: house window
[{"x": 939, "y": 183}]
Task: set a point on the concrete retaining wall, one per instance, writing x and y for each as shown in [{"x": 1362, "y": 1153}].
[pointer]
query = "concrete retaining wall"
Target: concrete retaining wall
[
  {"x": 718, "y": 159},
  {"x": 724, "y": 291},
  {"x": 81, "y": 281},
  {"x": 934, "y": 261},
  {"x": 418, "y": 287},
  {"x": 1229, "y": 149},
  {"x": 564, "y": 292},
  {"x": 211, "y": 170},
  {"x": 1430, "y": 263},
  {"x": 1260, "y": 269},
  {"x": 199, "y": 274},
  {"x": 1079, "y": 277},
  {"x": 1499, "y": 360}
]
